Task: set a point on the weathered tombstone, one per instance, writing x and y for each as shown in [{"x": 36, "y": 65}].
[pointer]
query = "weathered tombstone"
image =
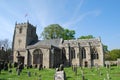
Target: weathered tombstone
[
  {"x": 18, "y": 72},
  {"x": 76, "y": 70},
  {"x": 29, "y": 74},
  {"x": 60, "y": 75},
  {"x": 118, "y": 62},
  {"x": 83, "y": 77},
  {"x": 40, "y": 67}
]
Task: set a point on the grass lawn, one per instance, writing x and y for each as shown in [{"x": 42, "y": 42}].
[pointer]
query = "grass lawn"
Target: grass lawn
[{"x": 48, "y": 74}]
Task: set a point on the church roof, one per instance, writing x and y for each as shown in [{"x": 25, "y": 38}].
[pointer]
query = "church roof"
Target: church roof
[{"x": 47, "y": 43}]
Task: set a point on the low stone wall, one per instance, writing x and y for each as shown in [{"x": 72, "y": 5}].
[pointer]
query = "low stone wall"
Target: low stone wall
[{"x": 111, "y": 62}]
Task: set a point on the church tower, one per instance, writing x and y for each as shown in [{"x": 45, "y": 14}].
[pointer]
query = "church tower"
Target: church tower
[{"x": 24, "y": 35}]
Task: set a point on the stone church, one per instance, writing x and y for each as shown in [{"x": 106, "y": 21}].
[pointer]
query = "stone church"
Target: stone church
[{"x": 27, "y": 49}]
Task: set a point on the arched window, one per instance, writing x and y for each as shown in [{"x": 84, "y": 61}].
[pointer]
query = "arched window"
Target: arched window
[
  {"x": 72, "y": 53},
  {"x": 20, "y": 30},
  {"x": 63, "y": 55},
  {"x": 83, "y": 53},
  {"x": 94, "y": 54},
  {"x": 37, "y": 57}
]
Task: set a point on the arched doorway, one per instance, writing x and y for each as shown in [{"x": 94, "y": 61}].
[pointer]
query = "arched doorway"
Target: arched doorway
[{"x": 37, "y": 57}]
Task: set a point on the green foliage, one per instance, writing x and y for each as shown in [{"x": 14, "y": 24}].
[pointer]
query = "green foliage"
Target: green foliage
[
  {"x": 52, "y": 31},
  {"x": 55, "y": 31},
  {"x": 86, "y": 37},
  {"x": 68, "y": 34},
  {"x": 114, "y": 54}
]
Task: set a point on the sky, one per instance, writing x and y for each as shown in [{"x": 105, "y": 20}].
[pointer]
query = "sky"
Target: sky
[{"x": 100, "y": 18}]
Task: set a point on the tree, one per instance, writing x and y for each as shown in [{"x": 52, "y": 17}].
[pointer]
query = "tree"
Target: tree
[
  {"x": 86, "y": 37},
  {"x": 114, "y": 54},
  {"x": 52, "y": 31},
  {"x": 68, "y": 34},
  {"x": 5, "y": 51},
  {"x": 5, "y": 43},
  {"x": 55, "y": 31}
]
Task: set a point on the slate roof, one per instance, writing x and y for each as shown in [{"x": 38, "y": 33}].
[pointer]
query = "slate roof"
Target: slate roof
[{"x": 46, "y": 43}]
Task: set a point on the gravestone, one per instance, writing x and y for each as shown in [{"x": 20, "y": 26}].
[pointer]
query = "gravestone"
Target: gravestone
[
  {"x": 118, "y": 62},
  {"x": 83, "y": 77},
  {"x": 60, "y": 75},
  {"x": 18, "y": 72},
  {"x": 29, "y": 74}
]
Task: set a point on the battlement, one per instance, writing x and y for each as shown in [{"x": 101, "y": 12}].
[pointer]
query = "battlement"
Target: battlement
[{"x": 24, "y": 24}]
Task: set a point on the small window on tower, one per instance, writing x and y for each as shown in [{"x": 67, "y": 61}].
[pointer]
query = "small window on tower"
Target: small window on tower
[{"x": 20, "y": 30}]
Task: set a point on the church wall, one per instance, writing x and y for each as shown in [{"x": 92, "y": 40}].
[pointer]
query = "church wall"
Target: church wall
[
  {"x": 24, "y": 53},
  {"x": 46, "y": 60}
]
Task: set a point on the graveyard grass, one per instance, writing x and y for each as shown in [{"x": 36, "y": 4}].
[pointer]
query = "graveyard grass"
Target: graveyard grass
[{"x": 48, "y": 74}]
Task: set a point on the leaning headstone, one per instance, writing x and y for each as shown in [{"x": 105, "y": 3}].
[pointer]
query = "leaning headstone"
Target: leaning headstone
[{"x": 60, "y": 75}]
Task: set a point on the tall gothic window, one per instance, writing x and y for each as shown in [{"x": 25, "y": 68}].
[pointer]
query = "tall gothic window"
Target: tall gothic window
[
  {"x": 94, "y": 54},
  {"x": 83, "y": 53},
  {"x": 37, "y": 57},
  {"x": 72, "y": 53}
]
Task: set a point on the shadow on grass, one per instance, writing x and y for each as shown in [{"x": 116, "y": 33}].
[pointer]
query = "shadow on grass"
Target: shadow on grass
[
  {"x": 3, "y": 79},
  {"x": 69, "y": 77}
]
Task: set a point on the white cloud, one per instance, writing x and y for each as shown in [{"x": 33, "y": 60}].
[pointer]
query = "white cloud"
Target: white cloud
[{"x": 81, "y": 17}]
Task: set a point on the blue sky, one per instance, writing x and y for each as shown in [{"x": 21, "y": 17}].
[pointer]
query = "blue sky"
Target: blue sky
[{"x": 100, "y": 18}]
